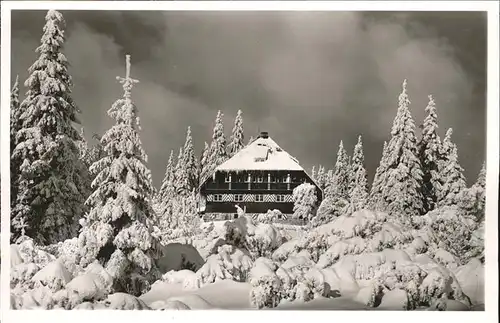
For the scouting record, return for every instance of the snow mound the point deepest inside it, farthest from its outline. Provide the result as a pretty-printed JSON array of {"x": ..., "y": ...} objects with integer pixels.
[
  {"x": 15, "y": 256},
  {"x": 88, "y": 287},
  {"x": 471, "y": 279},
  {"x": 395, "y": 300},
  {"x": 192, "y": 301},
  {"x": 185, "y": 277},
  {"x": 123, "y": 301},
  {"x": 169, "y": 305},
  {"x": 55, "y": 276}
]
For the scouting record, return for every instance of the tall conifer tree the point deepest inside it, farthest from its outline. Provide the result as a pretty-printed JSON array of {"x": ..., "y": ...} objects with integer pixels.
[
  {"x": 237, "y": 136},
  {"x": 190, "y": 164},
  {"x": 48, "y": 196},
  {"x": 430, "y": 157},
  {"x": 118, "y": 228},
  {"x": 358, "y": 187},
  {"x": 401, "y": 184}
]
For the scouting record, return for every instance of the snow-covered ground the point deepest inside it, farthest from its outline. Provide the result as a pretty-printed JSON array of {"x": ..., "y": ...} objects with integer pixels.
[{"x": 357, "y": 262}]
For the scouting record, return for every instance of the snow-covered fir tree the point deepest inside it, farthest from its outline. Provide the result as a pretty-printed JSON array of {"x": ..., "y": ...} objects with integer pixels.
[
  {"x": 48, "y": 196},
  {"x": 358, "y": 187},
  {"x": 401, "y": 185},
  {"x": 204, "y": 163},
  {"x": 87, "y": 158},
  {"x": 218, "y": 152},
  {"x": 167, "y": 189},
  {"x": 304, "y": 198},
  {"x": 190, "y": 164},
  {"x": 321, "y": 178},
  {"x": 453, "y": 180},
  {"x": 339, "y": 186},
  {"x": 181, "y": 176},
  {"x": 15, "y": 113},
  {"x": 118, "y": 229},
  {"x": 430, "y": 157},
  {"x": 237, "y": 136},
  {"x": 375, "y": 200}
]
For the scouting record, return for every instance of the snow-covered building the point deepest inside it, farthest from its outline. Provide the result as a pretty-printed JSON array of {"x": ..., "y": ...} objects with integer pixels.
[{"x": 260, "y": 177}]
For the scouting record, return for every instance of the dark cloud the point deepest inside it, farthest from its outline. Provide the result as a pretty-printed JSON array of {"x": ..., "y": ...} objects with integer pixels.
[{"x": 310, "y": 79}]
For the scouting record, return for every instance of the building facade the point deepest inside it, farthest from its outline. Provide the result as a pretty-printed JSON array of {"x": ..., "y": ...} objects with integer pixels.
[{"x": 258, "y": 178}]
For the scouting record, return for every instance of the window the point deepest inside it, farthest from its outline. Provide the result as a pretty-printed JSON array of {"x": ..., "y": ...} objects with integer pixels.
[
  {"x": 218, "y": 198},
  {"x": 238, "y": 198},
  {"x": 260, "y": 179},
  {"x": 280, "y": 198},
  {"x": 259, "y": 198},
  {"x": 247, "y": 178},
  {"x": 227, "y": 178}
]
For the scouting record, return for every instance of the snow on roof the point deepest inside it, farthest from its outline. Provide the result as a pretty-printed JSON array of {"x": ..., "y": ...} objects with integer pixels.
[{"x": 261, "y": 154}]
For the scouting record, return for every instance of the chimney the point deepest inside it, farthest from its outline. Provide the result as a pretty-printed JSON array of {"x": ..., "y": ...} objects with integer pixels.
[{"x": 264, "y": 134}]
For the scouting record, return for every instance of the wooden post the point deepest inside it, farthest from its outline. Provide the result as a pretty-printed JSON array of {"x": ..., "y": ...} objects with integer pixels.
[
  {"x": 288, "y": 181},
  {"x": 269, "y": 181},
  {"x": 249, "y": 180},
  {"x": 230, "y": 181}
]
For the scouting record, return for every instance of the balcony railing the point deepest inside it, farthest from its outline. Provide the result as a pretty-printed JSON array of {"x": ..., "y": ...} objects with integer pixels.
[{"x": 253, "y": 186}]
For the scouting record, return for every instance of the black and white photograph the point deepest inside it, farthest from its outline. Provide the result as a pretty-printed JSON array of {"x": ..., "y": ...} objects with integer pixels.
[{"x": 329, "y": 160}]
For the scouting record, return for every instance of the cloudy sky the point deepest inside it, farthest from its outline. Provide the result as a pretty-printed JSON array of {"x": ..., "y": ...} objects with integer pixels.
[{"x": 309, "y": 79}]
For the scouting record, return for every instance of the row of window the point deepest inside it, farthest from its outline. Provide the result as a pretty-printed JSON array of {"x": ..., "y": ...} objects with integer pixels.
[
  {"x": 258, "y": 179},
  {"x": 239, "y": 198}
]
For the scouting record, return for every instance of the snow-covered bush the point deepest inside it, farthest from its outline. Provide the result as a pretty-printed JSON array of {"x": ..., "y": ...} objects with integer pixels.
[
  {"x": 330, "y": 208},
  {"x": 258, "y": 238},
  {"x": 229, "y": 263},
  {"x": 265, "y": 283},
  {"x": 270, "y": 217},
  {"x": 448, "y": 229},
  {"x": 32, "y": 253}
]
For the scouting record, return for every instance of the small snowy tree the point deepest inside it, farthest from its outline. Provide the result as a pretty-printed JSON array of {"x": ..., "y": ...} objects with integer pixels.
[
  {"x": 304, "y": 198},
  {"x": 190, "y": 165},
  {"x": 473, "y": 201},
  {"x": 430, "y": 157},
  {"x": 237, "y": 136},
  {"x": 313, "y": 173},
  {"x": 49, "y": 195},
  {"x": 401, "y": 185},
  {"x": 167, "y": 189},
  {"x": 376, "y": 201},
  {"x": 250, "y": 140},
  {"x": 358, "y": 187},
  {"x": 117, "y": 230},
  {"x": 453, "y": 181}
]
